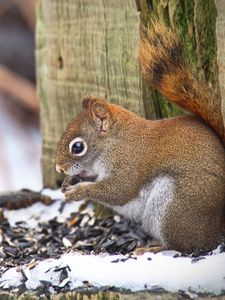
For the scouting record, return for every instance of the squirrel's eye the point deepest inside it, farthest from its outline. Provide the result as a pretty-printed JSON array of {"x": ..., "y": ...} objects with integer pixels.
[{"x": 78, "y": 146}]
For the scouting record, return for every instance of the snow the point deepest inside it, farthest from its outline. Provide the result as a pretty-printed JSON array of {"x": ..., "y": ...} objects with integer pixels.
[
  {"x": 135, "y": 273},
  {"x": 39, "y": 212},
  {"x": 163, "y": 270}
]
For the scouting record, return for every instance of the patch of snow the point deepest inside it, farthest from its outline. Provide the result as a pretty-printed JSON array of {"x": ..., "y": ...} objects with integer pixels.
[
  {"x": 40, "y": 212},
  {"x": 54, "y": 194},
  {"x": 11, "y": 278},
  {"x": 146, "y": 272}
]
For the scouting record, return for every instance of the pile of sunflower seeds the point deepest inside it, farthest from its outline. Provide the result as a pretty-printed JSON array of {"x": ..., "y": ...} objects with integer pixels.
[{"x": 82, "y": 232}]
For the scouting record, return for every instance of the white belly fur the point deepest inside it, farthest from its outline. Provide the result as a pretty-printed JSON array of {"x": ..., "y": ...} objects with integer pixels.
[{"x": 149, "y": 207}]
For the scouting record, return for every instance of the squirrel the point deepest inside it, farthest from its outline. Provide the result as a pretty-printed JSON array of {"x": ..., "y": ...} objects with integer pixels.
[{"x": 168, "y": 175}]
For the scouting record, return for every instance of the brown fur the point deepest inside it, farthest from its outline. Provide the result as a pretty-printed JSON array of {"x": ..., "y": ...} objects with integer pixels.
[{"x": 135, "y": 151}]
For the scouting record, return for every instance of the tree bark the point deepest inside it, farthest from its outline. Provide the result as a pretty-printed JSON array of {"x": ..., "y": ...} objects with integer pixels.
[{"x": 195, "y": 21}]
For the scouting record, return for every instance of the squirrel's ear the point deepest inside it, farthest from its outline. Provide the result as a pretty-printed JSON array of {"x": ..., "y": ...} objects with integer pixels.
[
  {"x": 101, "y": 116},
  {"x": 99, "y": 112},
  {"x": 86, "y": 102}
]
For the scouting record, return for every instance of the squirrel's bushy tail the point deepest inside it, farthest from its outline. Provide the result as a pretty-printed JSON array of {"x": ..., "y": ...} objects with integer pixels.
[{"x": 165, "y": 68}]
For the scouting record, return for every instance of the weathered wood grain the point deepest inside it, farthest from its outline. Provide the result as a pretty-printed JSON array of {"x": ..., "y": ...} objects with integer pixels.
[
  {"x": 84, "y": 48},
  {"x": 107, "y": 295}
]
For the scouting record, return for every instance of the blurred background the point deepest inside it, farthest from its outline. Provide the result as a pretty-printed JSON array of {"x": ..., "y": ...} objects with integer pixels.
[{"x": 19, "y": 108}]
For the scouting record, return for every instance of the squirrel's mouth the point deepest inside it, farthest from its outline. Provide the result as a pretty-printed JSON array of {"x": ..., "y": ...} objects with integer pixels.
[
  {"x": 86, "y": 176},
  {"x": 75, "y": 179},
  {"x": 92, "y": 178}
]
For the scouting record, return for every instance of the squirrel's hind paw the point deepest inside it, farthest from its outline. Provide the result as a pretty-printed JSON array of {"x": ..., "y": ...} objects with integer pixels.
[{"x": 153, "y": 247}]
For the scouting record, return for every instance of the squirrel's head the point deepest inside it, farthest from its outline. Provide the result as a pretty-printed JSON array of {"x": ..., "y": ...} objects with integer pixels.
[{"x": 85, "y": 140}]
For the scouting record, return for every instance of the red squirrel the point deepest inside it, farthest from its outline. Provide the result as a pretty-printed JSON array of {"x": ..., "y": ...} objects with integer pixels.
[{"x": 168, "y": 175}]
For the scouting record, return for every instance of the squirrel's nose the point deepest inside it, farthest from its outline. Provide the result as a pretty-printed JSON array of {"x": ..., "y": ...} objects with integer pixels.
[{"x": 58, "y": 169}]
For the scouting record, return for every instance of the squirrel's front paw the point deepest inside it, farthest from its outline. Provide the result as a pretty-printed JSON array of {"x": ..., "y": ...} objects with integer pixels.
[
  {"x": 69, "y": 182},
  {"x": 77, "y": 192},
  {"x": 71, "y": 195}
]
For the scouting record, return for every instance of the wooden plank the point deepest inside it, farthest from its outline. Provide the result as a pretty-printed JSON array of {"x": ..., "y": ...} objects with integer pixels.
[
  {"x": 84, "y": 48},
  {"x": 106, "y": 295}
]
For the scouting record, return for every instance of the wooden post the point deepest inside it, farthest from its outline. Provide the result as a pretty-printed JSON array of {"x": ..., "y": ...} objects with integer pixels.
[{"x": 83, "y": 48}]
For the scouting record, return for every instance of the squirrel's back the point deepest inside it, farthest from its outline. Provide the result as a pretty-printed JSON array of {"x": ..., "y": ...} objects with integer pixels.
[{"x": 165, "y": 68}]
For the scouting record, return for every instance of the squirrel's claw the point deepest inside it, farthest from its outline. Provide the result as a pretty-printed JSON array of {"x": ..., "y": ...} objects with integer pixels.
[
  {"x": 76, "y": 192},
  {"x": 69, "y": 196},
  {"x": 67, "y": 188}
]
